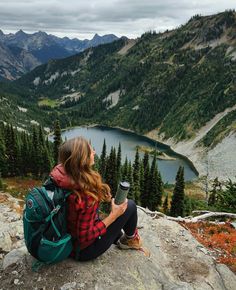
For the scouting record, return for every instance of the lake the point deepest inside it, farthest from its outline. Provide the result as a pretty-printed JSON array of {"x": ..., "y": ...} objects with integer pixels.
[{"x": 129, "y": 141}]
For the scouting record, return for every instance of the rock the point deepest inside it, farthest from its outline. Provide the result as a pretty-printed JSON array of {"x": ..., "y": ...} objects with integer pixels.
[
  {"x": 177, "y": 262},
  {"x": 16, "y": 281},
  {"x": 5, "y": 241},
  {"x": 68, "y": 286},
  {"x": 229, "y": 282},
  {"x": 14, "y": 257}
]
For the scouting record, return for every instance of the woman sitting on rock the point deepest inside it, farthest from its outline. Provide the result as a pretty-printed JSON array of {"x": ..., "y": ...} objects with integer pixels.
[{"x": 90, "y": 234}]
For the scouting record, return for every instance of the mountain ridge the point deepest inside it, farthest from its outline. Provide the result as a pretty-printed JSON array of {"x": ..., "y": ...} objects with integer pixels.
[
  {"x": 41, "y": 47},
  {"x": 171, "y": 83}
]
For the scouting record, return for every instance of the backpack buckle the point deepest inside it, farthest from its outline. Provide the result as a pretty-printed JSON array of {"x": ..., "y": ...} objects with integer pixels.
[{"x": 56, "y": 209}]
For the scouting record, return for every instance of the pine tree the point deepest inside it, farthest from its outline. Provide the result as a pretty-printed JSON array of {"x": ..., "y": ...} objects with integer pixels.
[
  {"x": 57, "y": 140},
  {"x": 130, "y": 180},
  {"x": 1, "y": 182},
  {"x": 165, "y": 205},
  {"x": 47, "y": 164},
  {"x": 155, "y": 189},
  {"x": 145, "y": 160},
  {"x": 160, "y": 189},
  {"x": 177, "y": 203},
  {"x": 141, "y": 181},
  {"x": 118, "y": 163},
  {"x": 187, "y": 206},
  {"x": 11, "y": 151},
  {"x": 125, "y": 170},
  {"x": 136, "y": 177},
  {"x": 144, "y": 196},
  {"x": 102, "y": 160},
  {"x": 3, "y": 159},
  {"x": 35, "y": 153},
  {"x": 214, "y": 193},
  {"x": 111, "y": 171}
]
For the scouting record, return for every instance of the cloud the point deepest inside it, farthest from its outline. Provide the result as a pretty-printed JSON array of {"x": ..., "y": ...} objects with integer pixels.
[{"x": 77, "y": 18}]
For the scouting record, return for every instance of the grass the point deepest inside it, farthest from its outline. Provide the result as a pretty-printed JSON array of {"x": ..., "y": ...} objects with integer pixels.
[
  {"x": 19, "y": 186},
  {"x": 48, "y": 102}
]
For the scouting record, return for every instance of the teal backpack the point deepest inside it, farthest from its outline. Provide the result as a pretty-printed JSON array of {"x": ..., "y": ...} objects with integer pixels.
[{"x": 45, "y": 229}]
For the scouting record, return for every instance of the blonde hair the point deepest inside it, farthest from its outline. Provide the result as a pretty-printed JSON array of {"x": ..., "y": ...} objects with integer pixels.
[{"x": 75, "y": 155}]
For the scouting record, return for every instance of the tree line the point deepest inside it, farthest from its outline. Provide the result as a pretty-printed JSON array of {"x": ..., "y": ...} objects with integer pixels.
[
  {"x": 27, "y": 154},
  {"x": 24, "y": 154},
  {"x": 32, "y": 154}
]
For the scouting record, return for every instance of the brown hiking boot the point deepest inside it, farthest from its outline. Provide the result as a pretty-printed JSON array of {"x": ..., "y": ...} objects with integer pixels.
[{"x": 134, "y": 243}]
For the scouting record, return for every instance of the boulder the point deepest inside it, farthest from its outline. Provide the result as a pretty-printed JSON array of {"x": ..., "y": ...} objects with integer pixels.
[
  {"x": 177, "y": 262},
  {"x": 14, "y": 256}
]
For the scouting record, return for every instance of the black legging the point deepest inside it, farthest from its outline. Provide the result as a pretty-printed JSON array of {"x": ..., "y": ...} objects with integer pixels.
[{"x": 127, "y": 221}]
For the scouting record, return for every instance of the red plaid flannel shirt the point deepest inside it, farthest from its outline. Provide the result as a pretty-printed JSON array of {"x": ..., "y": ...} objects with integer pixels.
[{"x": 82, "y": 220}]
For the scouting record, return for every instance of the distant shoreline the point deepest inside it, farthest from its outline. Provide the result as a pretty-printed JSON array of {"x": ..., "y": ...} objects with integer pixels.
[{"x": 144, "y": 136}]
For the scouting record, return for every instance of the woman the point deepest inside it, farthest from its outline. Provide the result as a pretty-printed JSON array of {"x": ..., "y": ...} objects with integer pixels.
[{"x": 91, "y": 235}]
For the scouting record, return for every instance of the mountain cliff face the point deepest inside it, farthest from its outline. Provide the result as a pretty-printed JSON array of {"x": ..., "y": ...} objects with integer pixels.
[{"x": 40, "y": 48}]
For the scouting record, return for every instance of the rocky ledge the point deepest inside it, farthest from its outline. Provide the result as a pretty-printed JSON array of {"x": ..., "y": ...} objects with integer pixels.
[{"x": 177, "y": 261}]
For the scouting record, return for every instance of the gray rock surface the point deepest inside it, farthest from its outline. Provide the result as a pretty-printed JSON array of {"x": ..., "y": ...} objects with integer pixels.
[
  {"x": 177, "y": 262},
  {"x": 14, "y": 256}
]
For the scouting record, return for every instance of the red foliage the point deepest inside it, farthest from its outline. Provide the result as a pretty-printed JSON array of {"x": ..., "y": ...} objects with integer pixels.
[{"x": 220, "y": 239}]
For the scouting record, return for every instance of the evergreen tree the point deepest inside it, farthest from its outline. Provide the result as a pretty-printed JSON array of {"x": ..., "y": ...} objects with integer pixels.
[
  {"x": 41, "y": 137},
  {"x": 35, "y": 153},
  {"x": 166, "y": 205},
  {"x": 1, "y": 182},
  {"x": 144, "y": 196},
  {"x": 229, "y": 197},
  {"x": 111, "y": 171},
  {"x": 177, "y": 203},
  {"x": 57, "y": 140},
  {"x": 47, "y": 164},
  {"x": 155, "y": 189},
  {"x": 160, "y": 188},
  {"x": 11, "y": 151},
  {"x": 145, "y": 160},
  {"x": 118, "y": 163},
  {"x": 187, "y": 206},
  {"x": 136, "y": 177},
  {"x": 141, "y": 181},
  {"x": 102, "y": 160},
  {"x": 130, "y": 180},
  {"x": 214, "y": 193},
  {"x": 3, "y": 157},
  {"x": 125, "y": 170}
]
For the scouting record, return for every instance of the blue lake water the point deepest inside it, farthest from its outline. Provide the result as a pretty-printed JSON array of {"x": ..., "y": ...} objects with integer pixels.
[{"x": 129, "y": 141}]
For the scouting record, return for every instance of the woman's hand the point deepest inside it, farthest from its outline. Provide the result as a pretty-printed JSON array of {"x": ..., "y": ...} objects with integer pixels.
[{"x": 116, "y": 211}]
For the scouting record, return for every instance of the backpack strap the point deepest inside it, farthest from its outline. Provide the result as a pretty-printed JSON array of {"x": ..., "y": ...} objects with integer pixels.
[
  {"x": 50, "y": 218},
  {"x": 40, "y": 202}
]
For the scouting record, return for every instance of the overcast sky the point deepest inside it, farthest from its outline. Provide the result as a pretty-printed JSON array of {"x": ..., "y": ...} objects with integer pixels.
[{"x": 82, "y": 19}]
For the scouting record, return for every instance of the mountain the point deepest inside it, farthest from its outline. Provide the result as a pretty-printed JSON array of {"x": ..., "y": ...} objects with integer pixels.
[
  {"x": 177, "y": 87},
  {"x": 15, "y": 62},
  {"x": 40, "y": 48}
]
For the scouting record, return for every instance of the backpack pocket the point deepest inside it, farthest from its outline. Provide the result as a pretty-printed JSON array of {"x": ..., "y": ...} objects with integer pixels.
[{"x": 52, "y": 252}]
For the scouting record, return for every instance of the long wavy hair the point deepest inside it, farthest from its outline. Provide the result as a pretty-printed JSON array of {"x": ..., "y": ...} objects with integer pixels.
[{"x": 75, "y": 156}]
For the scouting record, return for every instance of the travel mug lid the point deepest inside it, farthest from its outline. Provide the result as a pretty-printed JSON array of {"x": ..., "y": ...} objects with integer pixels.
[{"x": 124, "y": 185}]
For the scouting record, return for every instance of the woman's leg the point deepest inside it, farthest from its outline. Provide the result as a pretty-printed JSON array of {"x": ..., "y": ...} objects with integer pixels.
[{"x": 127, "y": 222}]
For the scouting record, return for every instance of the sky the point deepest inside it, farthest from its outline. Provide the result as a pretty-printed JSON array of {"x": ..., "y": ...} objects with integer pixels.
[{"x": 82, "y": 19}]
